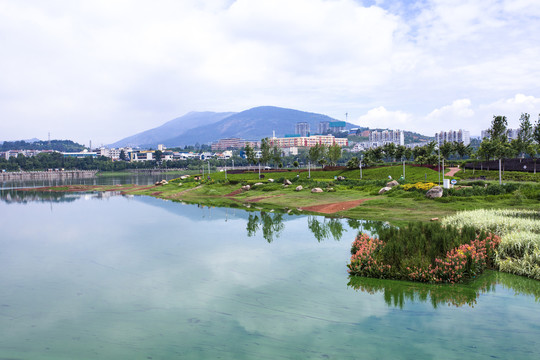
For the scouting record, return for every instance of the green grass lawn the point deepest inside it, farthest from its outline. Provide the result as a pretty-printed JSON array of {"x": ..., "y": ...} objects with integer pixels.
[{"x": 397, "y": 206}]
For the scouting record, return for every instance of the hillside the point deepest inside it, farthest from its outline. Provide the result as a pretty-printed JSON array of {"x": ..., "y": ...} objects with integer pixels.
[
  {"x": 175, "y": 127},
  {"x": 57, "y": 145},
  {"x": 252, "y": 124}
]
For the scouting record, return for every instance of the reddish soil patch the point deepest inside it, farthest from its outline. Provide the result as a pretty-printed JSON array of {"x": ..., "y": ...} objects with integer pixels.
[
  {"x": 235, "y": 192},
  {"x": 262, "y": 198},
  {"x": 334, "y": 207}
]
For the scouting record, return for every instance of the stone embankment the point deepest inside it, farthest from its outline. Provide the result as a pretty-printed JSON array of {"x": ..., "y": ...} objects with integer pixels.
[{"x": 47, "y": 175}]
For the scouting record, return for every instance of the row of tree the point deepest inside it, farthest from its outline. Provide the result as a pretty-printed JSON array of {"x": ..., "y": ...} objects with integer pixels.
[
  {"x": 319, "y": 154},
  {"x": 497, "y": 145}
]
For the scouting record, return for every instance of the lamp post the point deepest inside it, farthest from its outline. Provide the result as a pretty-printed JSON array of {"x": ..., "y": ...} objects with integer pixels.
[
  {"x": 439, "y": 165},
  {"x": 232, "y": 163},
  {"x": 360, "y": 166}
]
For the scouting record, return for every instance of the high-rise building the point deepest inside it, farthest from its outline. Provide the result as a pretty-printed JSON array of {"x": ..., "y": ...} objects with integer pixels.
[
  {"x": 302, "y": 129},
  {"x": 324, "y": 126},
  {"x": 387, "y": 136},
  {"x": 460, "y": 135}
]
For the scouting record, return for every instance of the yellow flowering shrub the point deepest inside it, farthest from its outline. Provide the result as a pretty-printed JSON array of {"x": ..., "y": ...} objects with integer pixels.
[{"x": 418, "y": 186}]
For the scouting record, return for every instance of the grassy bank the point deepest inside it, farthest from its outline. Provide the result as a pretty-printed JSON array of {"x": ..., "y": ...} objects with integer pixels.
[{"x": 398, "y": 206}]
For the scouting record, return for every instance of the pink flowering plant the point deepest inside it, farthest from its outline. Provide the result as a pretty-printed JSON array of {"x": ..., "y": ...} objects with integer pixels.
[{"x": 432, "y": 259}]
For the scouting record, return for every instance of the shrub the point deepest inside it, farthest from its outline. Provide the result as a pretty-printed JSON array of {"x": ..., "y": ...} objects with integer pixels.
[
  {"x": 419, "y": 186},
  {"x": 421, "y": 258}
]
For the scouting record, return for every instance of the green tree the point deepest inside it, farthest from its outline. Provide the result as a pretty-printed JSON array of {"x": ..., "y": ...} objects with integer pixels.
[
  {"x": 266, "y": 153},
  {"x": 276, "y": 155},
  {"x": 334, "y": 154},
  {"x": 353, "y": 163},
  {"x": 123, "y": 155},
  {"x": 250, "y": 154},
  {"x": 377, "y": 154},
  {"x": 446, "y": 149},
  {"x": 158, "y": 155},
  {"x": 316, "y": 152},
  {"x": 462, "y": 150},
  {"x": 525, "y": 135},
  {"x": 408, "y": 153},
  {"x": 389, "y": 150},
  {"x": 400, "y": 152}
]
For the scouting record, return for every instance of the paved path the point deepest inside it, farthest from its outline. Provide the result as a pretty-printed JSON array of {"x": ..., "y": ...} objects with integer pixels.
[{"x": 452, "y": 171}]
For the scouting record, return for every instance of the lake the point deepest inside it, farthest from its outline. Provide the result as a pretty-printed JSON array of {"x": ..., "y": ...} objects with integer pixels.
[{"x": 106, "y": 276}]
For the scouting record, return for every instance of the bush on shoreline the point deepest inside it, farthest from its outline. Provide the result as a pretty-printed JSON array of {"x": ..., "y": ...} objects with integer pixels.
[{"x": 424, "y": 252}]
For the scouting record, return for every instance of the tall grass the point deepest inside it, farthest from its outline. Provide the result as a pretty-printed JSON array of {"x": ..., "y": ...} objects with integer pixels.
[
  {"x": 519, "y": 253},
  {"x": 519, "y": 250},
  {"x": 500, "y": 222}
]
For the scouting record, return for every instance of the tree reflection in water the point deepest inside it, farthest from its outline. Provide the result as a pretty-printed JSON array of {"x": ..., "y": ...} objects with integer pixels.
[
  {"x": 397, "y": 293},
  {"x": 322, "y": 230},
  {"x": 272, "y": 225}
]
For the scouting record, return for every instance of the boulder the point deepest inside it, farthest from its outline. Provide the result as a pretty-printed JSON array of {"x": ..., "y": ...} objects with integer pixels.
[
  {"x": 341, "y": 178},
  {"x": 316, "y": 190},
  {"x": 287, "y": 182},
  {"x": 162, "y": 182},
  {"x": 434, "y": 192},
  {"x": 392, "y": 183},
  {"x": 271, "y": 180},
  {"x": 184, "y": 177},
  {"x": 299, "y": 188},
  {"x": 384, "y": 189},
  {"x": 257, "y": 184},
  {"x": 246, "y": 188}
]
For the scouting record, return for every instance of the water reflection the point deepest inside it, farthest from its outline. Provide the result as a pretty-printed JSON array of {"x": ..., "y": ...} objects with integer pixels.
[
  {"x": 24, "y": 197},
  {"x": 101, "y": 179},
  {"x": 398, "y": 293},
  {"x": 271, "y": 224}
]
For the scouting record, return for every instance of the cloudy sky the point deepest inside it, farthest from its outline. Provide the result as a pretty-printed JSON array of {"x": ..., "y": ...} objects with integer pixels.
[{"x": 101, "y": 70}]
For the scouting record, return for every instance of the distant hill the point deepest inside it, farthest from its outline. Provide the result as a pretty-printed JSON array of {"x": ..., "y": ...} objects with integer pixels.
[
  {"x": 252, "y": 124},
  {"x": 58, "y": 145},
  {"x": 175, "y": 127}
]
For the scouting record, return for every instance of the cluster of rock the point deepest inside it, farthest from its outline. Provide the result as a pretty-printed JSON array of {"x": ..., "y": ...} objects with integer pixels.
[
  {"x": 286, "y": 183},
  {"x": 388, "y": 187},
  {"x": 434, "y": 192},
  {"x": 162, "y": 182}
]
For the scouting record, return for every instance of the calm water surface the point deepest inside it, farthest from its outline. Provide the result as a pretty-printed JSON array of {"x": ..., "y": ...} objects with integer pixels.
[{"x": 114, "y": 277}]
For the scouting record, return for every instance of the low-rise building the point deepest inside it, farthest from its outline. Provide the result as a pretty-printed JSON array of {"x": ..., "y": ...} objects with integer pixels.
[{"x": 308, "y": 141}]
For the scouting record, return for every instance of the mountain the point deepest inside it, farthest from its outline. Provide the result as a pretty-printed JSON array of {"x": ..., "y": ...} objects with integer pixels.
[
  {"x": 174, "y": 127},
  {"x": 252, "y": 124}
]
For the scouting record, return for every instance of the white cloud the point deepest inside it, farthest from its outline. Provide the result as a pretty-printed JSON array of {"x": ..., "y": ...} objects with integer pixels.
[
  {"x": 103, "y": 70},
  {"x": 381, "y": 118},
  {"x": 512, "y": 108}
]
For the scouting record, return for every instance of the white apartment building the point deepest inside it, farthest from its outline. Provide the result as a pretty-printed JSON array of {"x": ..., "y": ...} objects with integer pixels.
[
  {"x": 379, "y": 138},
  {"x": 460, "y": 135}
]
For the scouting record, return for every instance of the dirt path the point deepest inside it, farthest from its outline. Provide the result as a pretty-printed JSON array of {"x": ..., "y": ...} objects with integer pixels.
[
  {"x": 334, "y": 207},
  {"x": 178, "y": 194},
  {"x": 452, "y": 171},
  {"x": 235, "y": 192}
]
